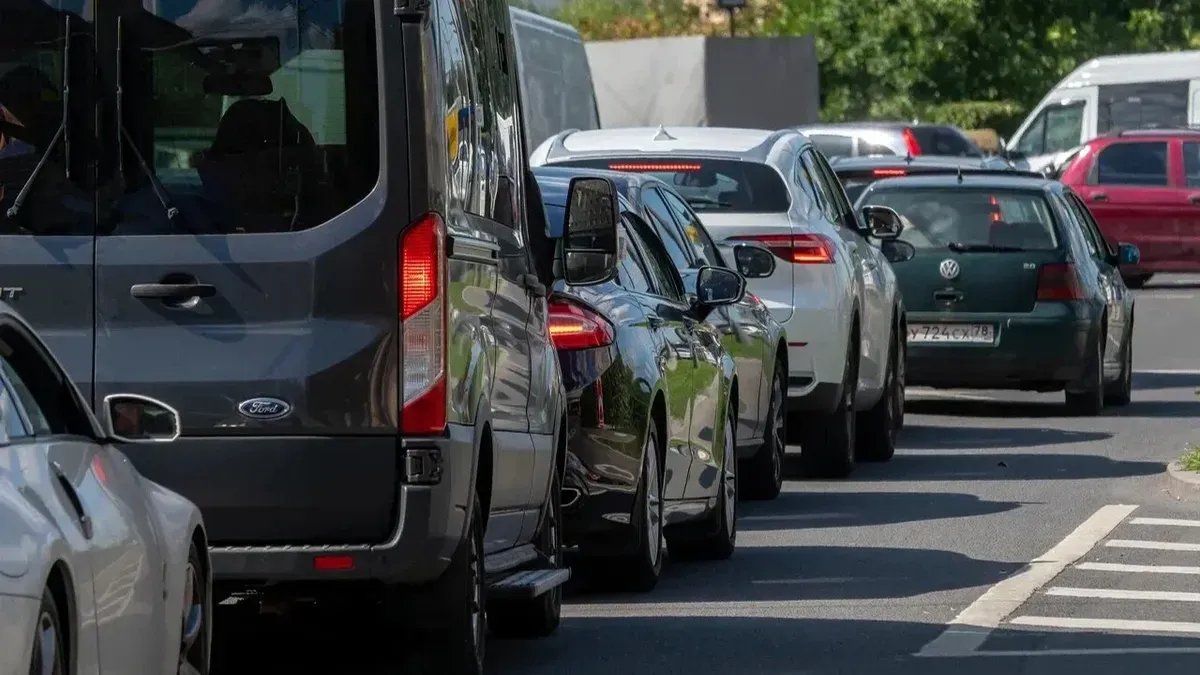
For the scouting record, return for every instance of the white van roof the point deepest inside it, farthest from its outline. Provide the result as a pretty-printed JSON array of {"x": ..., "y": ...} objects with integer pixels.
[
  {"x": 1130, "y": 68},
  {"x": 544, "y": 22}
]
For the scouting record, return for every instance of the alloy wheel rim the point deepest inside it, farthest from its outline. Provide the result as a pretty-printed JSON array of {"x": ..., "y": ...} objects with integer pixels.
[
  {"x": 476, "y": 598},
  {"x": 777, "y": 429},
  {"x": 730, "y": 482},
  {"x": 193, "y": 622},
  {"x": 653, "y": 506},
  {"x": 46, "y": 646}
]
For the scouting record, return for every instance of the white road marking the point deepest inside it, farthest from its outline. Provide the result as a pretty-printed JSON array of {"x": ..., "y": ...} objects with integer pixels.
[
  {"x": 1152, "y": 545},
  {"x": 1168, "y": 371},
  {"x": 1132, "y": 651},
  {"x": 1121, "y": 594},
  {"x": 1150, "y": 569},
  {"x": 916, "y": 393},
  {"x": 1108, "y": 624},
  {"x": 970, "y": 629},
  {"x": 754, "y": 609},
  {"x": 1176, "y": 522}
]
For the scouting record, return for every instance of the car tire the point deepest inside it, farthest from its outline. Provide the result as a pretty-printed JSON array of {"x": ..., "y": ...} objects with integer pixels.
[
  {"x": 540, "y": 616},
  {"x": 762, "y": 475},
  {"x": 717, "y": 538},
  {"x": 195, "y": 635},
  {"x": 1136, "y": 281},
  {"x": 1122, "y": 392},
  {"x": 640, "y": 571},
  {"x": 443, "y": 625},
  {"x": 49, "y": 653},
  {"x": 827, "y": 442},
  {"x": 878, "y": 427},
  {"x": 1088, "y": 401}
]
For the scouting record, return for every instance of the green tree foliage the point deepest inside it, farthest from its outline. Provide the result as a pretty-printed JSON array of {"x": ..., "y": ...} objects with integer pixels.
[{"x": 970, "y": 62}]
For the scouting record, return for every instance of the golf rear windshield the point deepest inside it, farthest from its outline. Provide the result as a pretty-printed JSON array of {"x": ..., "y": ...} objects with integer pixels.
[
  {"x": 709, "y": 184},
  {"x": 935, "y": 218}
]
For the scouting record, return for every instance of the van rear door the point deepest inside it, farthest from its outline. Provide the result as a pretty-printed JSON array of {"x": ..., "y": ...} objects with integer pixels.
[
  {"x": 47, "y": 215},
  {"x": 246, "y": 260}
]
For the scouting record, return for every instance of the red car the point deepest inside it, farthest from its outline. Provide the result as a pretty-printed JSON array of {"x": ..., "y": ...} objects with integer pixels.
[{"x": 1143, "y": 187}]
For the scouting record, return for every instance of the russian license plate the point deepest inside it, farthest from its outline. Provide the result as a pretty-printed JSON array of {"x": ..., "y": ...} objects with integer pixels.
[{"x": 962, "y": 333}]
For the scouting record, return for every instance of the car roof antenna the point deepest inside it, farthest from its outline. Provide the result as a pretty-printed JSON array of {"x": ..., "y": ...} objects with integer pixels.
[
  {"x": 908, "y": 157},
  {"x": 662, "y": 135}
]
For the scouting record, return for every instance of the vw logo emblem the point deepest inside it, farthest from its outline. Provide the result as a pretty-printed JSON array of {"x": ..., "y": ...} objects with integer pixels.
[
  {"x": 949, "y": 269},
  {"x": 265, "y": 408}
]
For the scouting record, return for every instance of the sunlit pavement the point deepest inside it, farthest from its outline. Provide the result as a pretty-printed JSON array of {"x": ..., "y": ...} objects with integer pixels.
[{"x": 998, "y": 539}]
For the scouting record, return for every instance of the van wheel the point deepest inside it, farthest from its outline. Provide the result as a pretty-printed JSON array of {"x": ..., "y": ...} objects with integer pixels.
[
  {"x": 1088, "y": 400},
  {"x": 762, "y": 474},
  {"x": 640, "y": 572},
  {"x": 718, "y": 537},
  {"x": 536, "y": 617},
  {"x": 49, "y": 641},
  {"x": 828, "y": 441},
  {"x": 877, "y": 427},
  {"x": 444, "y": 623}
]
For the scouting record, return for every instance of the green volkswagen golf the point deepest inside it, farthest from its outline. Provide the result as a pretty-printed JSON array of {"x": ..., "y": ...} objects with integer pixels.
[{"x": 1010, "y": 285}]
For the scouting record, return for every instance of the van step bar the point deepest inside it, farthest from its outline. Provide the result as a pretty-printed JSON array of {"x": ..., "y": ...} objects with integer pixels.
[{"x": 528, "y": 583}]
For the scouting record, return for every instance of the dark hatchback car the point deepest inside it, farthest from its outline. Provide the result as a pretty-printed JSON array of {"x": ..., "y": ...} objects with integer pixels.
[
  {"x": 1010, "y": 285},
  {"x": 651, "y": 404},
  {"x": 856, "y": 173}
]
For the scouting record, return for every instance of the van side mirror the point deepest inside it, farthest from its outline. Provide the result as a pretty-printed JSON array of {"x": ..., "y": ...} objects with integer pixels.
[
  {"x": 882, "y": 222},
  {"x": 131, "y": 418},
  {"x": 589, "y": 246},
  {"x": 1128, "y": 254},
  {"x": 753, "y": 261}
]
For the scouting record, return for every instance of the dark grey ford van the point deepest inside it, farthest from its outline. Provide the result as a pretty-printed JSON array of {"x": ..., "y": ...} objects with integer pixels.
[{"x": 310, "y": 228}]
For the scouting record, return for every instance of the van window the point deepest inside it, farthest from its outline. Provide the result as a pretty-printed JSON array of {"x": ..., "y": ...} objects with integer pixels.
[
  {"x": 833, "y": 146},
  {"x": 1056, "y": 128},
  {"x": 1142, "y": 105},
  {"x": 556, "y": 82},
  {"x": 1191, "y": 163},
  {"x": 251, "y": 116},
  {"x": 1142, "y": 163}
]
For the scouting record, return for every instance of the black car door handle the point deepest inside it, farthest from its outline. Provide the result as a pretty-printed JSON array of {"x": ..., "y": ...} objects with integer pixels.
[
  {"x": 1195, "y": 199},
  {"x": 1100, "y": 197},
  {"x": 85, "y": 523},
  {"x": 654, "y": 322},
  {"x": 172, "y": 291}
]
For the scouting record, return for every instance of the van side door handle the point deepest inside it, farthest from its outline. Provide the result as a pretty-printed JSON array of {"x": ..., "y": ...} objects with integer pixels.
[{"x": 172, "y": 291}]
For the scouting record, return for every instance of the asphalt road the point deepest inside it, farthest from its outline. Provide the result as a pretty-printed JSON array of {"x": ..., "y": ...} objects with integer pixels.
[{"x": 1004, "y": 537}]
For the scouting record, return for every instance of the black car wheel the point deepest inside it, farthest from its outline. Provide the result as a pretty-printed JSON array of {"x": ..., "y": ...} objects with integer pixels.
[
  {"x": 717, "y": 537},
  {"x": 194, "y": 635},
  {"x": 762, "y": 474},
  {"x": 641, "y": 570},
  {"x": 1122, "y": 391},
  {"x": 1088, "y": 398},
  {"x": 827, "y": 443},
  {"x": 49, "y": 646},
  {"x": 1136, "y": 281},
  {"x": 540, "y": 616},
  {"x": 878, "y": 427}
]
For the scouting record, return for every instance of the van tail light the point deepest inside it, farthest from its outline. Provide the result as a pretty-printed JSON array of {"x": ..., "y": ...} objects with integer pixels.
[
  {"x": 1059, "y": 281},
  {"x": 574, "y": 327},
  {"x": 801, "y": 249},
  {"x": 911, "y": 144},
  {"x": 422, "y": 281}
]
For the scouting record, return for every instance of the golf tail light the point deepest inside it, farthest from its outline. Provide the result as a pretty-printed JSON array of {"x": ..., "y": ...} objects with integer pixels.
[
  {"x": 910, "y": 143},
  {"x": 889, "y": 173},
  {"x": 800, "y": 249},
  {"x": 573, "y": 327},
  {"x": 1059, "y": 281},
  {"x": 423, "y": 326}
]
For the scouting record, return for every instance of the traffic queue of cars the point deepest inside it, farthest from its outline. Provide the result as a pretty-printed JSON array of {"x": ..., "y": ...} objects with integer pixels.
[{"x": 403, "y": 371}]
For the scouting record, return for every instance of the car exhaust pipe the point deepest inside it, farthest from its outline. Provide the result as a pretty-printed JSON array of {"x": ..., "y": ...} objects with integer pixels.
[{"x": 569, "y": 496}]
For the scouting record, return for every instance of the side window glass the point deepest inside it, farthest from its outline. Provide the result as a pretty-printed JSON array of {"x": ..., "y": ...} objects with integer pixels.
[
  {"x": 1034, "y": 140},
  {"x": 1064, "y": 127},
  {"x": 269, "y": 127},
  {"x": 633, "y": 275},
  {"x": 664, "y": 223},
  {"x": 1090, "y": 225},
  {"x": 702, "y": 244},
  {"x": 806, "y": 181},
  {"x": 458, "y": 104},
  {"x": 834, "y": 204},
  {"x": 665, "y": 275},
  {"x": 37, "y": 418},
  {"x": 1071, "y": 215},
  {"x": 1143, "y": 164},
  {"x": 1191, "y": 161},
  {"x": 837, "y": 194},
  {"x": 813, "y": 174},
  {"x": 14, "y": 427}
]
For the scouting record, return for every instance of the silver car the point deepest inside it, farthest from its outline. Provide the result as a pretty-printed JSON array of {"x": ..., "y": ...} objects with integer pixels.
[{"x": 101, "y": 570}]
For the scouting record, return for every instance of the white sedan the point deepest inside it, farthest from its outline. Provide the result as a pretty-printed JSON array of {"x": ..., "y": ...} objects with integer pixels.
[{"x": 101, "y": 570}]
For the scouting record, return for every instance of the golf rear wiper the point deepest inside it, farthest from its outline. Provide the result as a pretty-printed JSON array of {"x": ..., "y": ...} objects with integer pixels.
[
  {"x": 63, "y": 133},
  {"x": 960, "y": 247}
]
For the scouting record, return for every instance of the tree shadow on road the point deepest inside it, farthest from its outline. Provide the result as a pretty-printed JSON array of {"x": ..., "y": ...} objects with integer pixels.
[
  {"x": 1003, "y": 466},
  {"x": 816, "y": 510},
  {"x": 927, "y": 436},
  {"x": 1145, "y": 381}
]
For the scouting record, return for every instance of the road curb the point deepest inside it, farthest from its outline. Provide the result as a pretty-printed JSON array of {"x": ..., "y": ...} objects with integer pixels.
[{"x": 1186, "y": 480}]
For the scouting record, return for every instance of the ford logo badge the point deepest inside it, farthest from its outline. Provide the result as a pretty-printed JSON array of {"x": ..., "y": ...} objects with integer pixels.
[{"x": 265, "y": 408}]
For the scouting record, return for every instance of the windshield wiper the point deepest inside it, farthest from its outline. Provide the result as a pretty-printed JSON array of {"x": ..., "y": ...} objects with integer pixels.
[
  {"x": 63, "y": 133},
  {"x": 960, "y": 247}
]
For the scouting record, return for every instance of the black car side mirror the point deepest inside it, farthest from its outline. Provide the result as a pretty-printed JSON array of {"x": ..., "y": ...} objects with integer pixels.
[
  {"x": 754, "y": 262},
  {"x": 716, "y": 286},
  {"x": 1128, "y": 254},
  {"x": 589, "y": 247},
  {"x": 882, "y": 222}
]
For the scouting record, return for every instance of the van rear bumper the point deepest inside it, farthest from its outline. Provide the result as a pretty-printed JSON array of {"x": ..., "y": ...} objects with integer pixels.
[{"x": 427, "y": 522}]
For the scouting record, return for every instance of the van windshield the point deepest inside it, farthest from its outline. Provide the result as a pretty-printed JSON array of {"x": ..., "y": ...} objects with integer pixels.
[
  {"x": 708, "y": 184},
  {"x": 971, "y": 220}
]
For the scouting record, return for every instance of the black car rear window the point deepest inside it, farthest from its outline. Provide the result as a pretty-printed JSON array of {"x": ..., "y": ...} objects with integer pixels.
[
  {"x": 945, "y": 141},
  {"x": 709, "y": 184},
  {"x": 980, "y": 219},
  {"x": 832, "y": 145}
]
